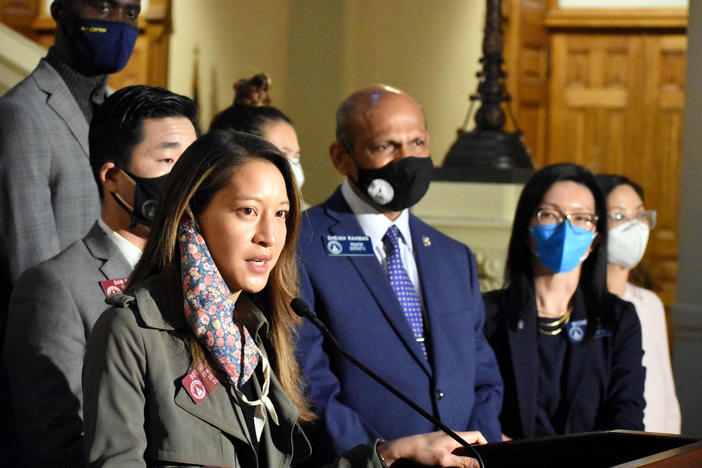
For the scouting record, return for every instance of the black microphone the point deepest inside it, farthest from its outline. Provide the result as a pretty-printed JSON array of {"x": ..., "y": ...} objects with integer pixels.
[{"x": 301, "y": 308}]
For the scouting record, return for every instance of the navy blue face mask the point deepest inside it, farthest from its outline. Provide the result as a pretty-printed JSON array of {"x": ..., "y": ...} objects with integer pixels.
[
  {"x": 104, "y": 46},
  {"x": 563, "y": 247}
]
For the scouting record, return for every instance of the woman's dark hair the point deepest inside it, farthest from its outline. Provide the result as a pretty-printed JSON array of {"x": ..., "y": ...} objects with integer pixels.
[
  {"x": 251, "y": 110},
  {"x": 205, "y": 168},
  {"x": 519, "y": 273},
  {"x": 609, "y": 182}
]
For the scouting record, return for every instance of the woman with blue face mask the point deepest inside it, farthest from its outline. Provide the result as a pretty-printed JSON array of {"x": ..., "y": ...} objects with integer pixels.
[
  {"x": 629, "y": 225},
  {"x": 568, "y": 350}
]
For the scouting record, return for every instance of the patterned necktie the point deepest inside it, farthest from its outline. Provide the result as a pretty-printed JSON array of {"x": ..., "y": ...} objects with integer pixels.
[{"x": 402, "y": 285}]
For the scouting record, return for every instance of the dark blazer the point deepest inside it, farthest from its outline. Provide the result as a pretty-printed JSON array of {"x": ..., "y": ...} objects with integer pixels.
[
  {"x": 352, "y": 295},
  {"x": 138, "y": 412},
  {"x": 605, "y": 378},
  {"x": 52, "y": 311}
]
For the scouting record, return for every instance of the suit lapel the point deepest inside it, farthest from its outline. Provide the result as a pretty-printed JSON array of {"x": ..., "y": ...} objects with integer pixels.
[
  {"x": 62, "y": 102},
  {"x": 372, "y": 274},
  {"x": 428, "y": 264},
  {"x": 523, "y": 350},
  {"x": 578, "y": 356},
  {"x": 103, "y": 248}
]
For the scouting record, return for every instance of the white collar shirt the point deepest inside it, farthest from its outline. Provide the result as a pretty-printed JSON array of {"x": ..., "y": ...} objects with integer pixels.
[
  {"x": 376, "y": 224},
  {"x": 131, "y": 252}
]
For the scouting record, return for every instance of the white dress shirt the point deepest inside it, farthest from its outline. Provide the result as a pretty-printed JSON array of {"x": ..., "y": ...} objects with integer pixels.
[
  {"x": 376, "y": 224},
  {"x": 131, "y": 252}
]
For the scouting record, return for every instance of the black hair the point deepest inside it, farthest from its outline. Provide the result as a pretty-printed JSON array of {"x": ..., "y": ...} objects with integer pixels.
[
  {"x": 609, "y": 182},
  {"x": 116, "y": 128},
  {"x": 519, "y": 273},
  {"x": 248, "y": 119}
]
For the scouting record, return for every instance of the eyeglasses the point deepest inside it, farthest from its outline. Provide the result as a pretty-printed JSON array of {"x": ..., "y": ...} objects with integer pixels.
[
  {"x": 647, "y": 217},
  {"x": 547, "y": 216}
]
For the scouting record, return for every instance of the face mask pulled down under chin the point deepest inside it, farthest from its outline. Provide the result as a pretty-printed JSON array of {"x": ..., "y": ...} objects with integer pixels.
[
  {"x": 147, "y": 192},
  {"x": 626, "y": 244},
  {"x": 397, "y": 185},
  {"x": 561, "y": 248},
  {"x": 103, "y": 46}
]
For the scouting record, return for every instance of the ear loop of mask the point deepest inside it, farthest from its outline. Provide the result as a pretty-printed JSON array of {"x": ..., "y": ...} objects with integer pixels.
[{"x": 122, "y": 202}]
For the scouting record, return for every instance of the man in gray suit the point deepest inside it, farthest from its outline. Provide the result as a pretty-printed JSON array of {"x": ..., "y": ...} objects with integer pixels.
[
  {"x": 49, "y": 198},
  {"x": 135, "y": 138}
]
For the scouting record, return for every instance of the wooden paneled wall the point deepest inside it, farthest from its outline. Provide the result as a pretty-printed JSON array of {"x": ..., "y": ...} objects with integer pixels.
[
  {"x": 604, "y": 88},
  {"x": 526, "y": 62},
  {"x": 616, "y": 106}
]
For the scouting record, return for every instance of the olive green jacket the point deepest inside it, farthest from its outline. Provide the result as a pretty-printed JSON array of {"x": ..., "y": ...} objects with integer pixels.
[{"x": 138, "y": 413}]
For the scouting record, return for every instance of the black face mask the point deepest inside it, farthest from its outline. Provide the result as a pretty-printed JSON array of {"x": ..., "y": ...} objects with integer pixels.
[
  {"x": 397, "y": 185},
  {"x": 147, "y": 192}
]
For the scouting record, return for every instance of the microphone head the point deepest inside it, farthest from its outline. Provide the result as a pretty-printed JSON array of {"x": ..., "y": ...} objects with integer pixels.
[{"x": 300, "y": 307}]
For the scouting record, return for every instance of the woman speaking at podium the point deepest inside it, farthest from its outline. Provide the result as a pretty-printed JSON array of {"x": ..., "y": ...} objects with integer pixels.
[
  {"x": 568, "y": 350},
  {"x": 194, "y": 365}
]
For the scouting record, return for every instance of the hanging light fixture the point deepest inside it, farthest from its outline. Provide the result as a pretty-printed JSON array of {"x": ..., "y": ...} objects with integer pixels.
[{"x": 488, "y": 153}]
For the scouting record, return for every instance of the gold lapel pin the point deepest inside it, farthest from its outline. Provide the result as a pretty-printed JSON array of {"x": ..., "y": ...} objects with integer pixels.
[{"x": 426, "y": 241}]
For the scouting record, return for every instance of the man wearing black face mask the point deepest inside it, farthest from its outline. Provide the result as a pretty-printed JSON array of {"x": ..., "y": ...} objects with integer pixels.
[
  {"x": 135, "y": 138},
  {"x": 49, "y": 198},
  {"x": 399, "y": 295}
]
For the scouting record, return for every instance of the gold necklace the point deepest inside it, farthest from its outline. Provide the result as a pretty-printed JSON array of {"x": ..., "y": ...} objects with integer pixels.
[{"x": 556, "y": 326}]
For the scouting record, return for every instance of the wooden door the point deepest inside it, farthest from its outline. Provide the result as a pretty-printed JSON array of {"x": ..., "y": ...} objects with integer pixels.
[
  {"x": 616, "y": 106},
  {"x": 526, "y": 64}
]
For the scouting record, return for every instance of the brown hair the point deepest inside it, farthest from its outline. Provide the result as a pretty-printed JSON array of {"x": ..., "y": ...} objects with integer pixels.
[
  {"x": 251, "y": 110},
  {"x": 205, "y": 168},
  {"x": 253, "y": 91}
]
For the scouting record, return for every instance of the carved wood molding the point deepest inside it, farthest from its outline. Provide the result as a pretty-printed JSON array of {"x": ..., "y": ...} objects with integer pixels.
[{"x": 617, "y": 18}]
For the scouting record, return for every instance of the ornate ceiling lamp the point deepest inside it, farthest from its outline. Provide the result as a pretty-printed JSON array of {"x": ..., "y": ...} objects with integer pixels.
[{"x": 488, "y": 153}]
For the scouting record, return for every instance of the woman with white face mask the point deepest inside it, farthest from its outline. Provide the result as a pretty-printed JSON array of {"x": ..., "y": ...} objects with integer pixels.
[
  {"x": 629, "y": 224},
  {"x": 252, "y": 113}
]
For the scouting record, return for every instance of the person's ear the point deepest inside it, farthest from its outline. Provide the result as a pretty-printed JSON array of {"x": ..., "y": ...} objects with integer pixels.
[
  {"x": 340, "y": 158},
  {"x": 58, "y": 7},
  {"x": 108, "y": 177}
]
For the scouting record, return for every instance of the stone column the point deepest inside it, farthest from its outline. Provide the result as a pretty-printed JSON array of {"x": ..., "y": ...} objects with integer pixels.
[{"x": 687, "y": 311}]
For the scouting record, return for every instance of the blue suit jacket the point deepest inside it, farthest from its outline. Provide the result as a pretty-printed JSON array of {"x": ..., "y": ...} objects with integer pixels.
[
  {"x": 352, "y": 295},
  {"x": 604, "y": 378}
]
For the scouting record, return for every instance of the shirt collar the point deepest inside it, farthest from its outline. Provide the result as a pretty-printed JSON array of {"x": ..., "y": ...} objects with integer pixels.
[
  {"x": 373, "y": 222},
  {"x": 131, "y": 252}
]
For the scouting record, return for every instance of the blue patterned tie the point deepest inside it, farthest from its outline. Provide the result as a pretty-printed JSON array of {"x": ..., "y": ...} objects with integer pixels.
[{"x": 402, "y": 285}]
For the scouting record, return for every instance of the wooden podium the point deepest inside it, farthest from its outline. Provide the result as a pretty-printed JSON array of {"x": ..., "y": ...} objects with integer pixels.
[
  {"x": 620, "y": 449},
  {"x": 596, "y": 449}
]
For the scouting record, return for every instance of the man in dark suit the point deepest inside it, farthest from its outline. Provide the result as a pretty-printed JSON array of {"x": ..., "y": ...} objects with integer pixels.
[
  {"x": 135, "y": 138},
  {"x": 399, "y": 295}
]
